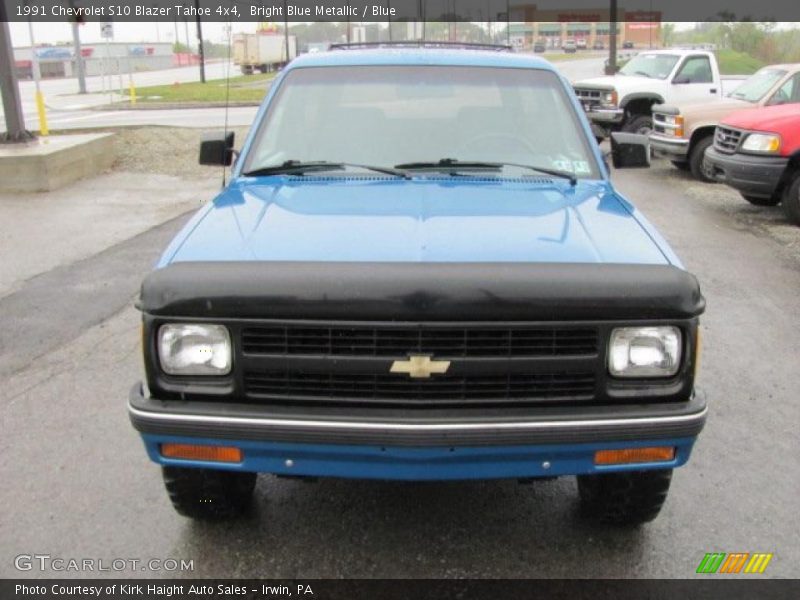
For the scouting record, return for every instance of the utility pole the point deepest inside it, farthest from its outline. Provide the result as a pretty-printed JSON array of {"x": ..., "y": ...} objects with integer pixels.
[
  {"x": 286, "y": 32},
  {"x": 389, "y": 7},
  {"x": 200, "y": 50},
  {"x": 40, "y": 108},
  {"x": 76, "y": 44},
  {"x": 612, "y": 44},
  {"x": 12, "y": 106}
]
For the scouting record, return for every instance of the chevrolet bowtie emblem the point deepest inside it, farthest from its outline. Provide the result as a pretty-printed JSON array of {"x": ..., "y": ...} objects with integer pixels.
[{"x": 420, "y": 367}]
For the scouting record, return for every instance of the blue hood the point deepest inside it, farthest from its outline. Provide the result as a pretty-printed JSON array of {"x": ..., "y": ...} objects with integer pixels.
[{"x": 439, "y": 219}]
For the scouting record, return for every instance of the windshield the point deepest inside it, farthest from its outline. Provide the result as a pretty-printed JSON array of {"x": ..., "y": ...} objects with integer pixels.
[
  {"x": 758, "y": 84},
  {"x": 655, "y": 66},
  {"x": 392, "y": 115}
]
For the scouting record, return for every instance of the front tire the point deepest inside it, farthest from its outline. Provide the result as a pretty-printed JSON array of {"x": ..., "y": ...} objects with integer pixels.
[
  {"x": 208, "y": 494},
  {"x": 756, "y": 201},
  {"x": 642, "y": 124},
  {"x": 697, "y": 160},
  {"x": 628, "y": 498},
  {"x": 791, "y": 199}
]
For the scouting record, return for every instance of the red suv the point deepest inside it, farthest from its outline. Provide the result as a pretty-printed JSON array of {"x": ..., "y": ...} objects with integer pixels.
[{"x": 758, "y": 153}]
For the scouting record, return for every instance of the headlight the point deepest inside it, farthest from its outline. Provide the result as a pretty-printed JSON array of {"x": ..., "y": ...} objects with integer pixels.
[
  {"x": 194, "y": 349},
  {"x": 644, "y": 351},
  {"x": 762, "y": 142},
  {"x": 676, "y": 122},
  {"x": 610, "y": 98}
]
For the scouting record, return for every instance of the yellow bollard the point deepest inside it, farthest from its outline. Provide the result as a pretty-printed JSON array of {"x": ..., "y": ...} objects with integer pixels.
[
  {"x": 132, "y": 93},
  {"x": 43, "y": 129}
]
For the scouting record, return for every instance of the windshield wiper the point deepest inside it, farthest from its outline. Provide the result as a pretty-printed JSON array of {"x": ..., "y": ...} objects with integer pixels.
[
  {"x": 299, "y": 167},
  {"x": 454, "y": 165},
  {"x": 643, "y": 74}
]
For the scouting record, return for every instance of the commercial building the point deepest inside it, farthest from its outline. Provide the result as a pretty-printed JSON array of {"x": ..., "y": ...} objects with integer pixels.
[
  {"x": 108, "y": 58},
  {"x": 554, "y": 27}
]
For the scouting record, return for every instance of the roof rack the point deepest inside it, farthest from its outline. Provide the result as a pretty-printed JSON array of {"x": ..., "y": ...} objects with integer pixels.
[{"x": 422, "y": 44}]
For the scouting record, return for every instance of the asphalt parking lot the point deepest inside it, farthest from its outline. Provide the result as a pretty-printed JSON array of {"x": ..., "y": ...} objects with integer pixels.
[{"x": 76, "y": 482}]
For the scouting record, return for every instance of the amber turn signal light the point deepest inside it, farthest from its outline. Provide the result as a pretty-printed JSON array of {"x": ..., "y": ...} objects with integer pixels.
[
  {"x": 634, "y": 455},
  {"x": 208, "y": 453}
]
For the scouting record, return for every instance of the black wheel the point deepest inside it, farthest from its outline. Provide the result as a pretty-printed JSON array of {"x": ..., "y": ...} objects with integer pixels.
[
  {"x": 628, "y": 498},
  {"x": 791, "y": 199},
  {"x": 639, "y": 124},
  {"x": 697, "y": 161},
  {"x": 208, "y": 493},
  {"x": 680, "y": 164},
  {"x": 756, "y": 201}
]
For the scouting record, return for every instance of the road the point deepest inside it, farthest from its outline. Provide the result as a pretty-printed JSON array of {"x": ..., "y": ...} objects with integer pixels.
[
  {"x": 77, "y": 482},
  {"x": 69, "y": 110},
  {"x": 75, "y": 112}
]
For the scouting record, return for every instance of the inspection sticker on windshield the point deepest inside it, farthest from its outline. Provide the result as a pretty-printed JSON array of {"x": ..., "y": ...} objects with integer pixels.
[{"x": 578, "y": 167}]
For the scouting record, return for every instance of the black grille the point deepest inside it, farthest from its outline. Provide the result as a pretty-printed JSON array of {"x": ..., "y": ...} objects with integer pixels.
[
  {"x": 400, "y": 341},
  {"x": 726, "y": 139},
  {"x": 438, "y": 391},
  {"x": 588, "y": 98}
]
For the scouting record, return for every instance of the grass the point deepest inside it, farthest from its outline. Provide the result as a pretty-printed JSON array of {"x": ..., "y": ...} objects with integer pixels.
[
  {"x": 737, "y": 63},
  {"x": 244, "y": 88},
  {"x": 561, "y": 56}
]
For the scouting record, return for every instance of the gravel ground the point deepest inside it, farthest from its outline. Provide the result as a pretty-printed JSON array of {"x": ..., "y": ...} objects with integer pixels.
[
  {"x": 756, "y": 220},
  {"x": 164, "y": 150}
]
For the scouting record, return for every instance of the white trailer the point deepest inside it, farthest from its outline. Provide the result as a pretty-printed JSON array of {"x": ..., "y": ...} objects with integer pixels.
[{"x": 262, "y": 52}]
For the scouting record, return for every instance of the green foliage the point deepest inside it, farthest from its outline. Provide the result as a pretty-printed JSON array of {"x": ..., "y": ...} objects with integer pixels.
[
  {"x": 732, "y": 62},
  {"x": 667, "y": 34},
  {"x": 761, "y": 41},
  {"x": 246, "y": 88},
  {"x": 212, "y": 50}
]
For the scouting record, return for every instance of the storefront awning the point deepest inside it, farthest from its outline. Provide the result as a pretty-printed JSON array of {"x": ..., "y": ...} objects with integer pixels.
[
  {"x": 579, "y": 27},
  {"x": 549, "y": 27}
]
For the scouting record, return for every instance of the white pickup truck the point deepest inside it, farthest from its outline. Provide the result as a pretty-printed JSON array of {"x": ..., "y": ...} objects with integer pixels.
[{"x": 624, "y": 101}]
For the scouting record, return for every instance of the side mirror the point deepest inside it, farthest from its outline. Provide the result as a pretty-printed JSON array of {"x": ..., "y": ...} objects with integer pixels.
[
  {"x": 682, "y": 80},
  {"x": 630, "y": 150},
  {"x": 216, "y": 148}
]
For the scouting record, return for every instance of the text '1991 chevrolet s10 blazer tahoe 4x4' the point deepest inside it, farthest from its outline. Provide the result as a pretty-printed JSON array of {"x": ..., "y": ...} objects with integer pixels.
[{"x": 420, "y": 270}]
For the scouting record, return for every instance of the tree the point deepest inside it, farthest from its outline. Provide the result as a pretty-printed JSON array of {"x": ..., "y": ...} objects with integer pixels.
[{"x": 667, "y": 34}]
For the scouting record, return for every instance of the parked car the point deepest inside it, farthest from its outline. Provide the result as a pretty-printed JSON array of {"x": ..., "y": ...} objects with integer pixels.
[
  {"x": 580, "y": 43},
  {"x": 624, "y": 101},
  {"x": 539, "y": 47},
  {"x": 683, "y": 132},
  {"x": 570, "y": 47},
  {"x": 758, "y": 153},
  {"x": 627, "y": 45},
  {"x": 622, "y": 60},
  {"x": 598, "y": 45},
  {"x": 420, "y": 270}
]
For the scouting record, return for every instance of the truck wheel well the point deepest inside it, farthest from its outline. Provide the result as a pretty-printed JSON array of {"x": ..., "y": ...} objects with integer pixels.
[
  {"x": 699, "y": 134},
  {"x": 788, "y": 174},
  {"x": 641, "y": 106}
]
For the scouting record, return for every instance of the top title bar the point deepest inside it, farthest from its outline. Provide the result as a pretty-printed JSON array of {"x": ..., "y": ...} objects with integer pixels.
[{"x": 512, "y": 11}]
